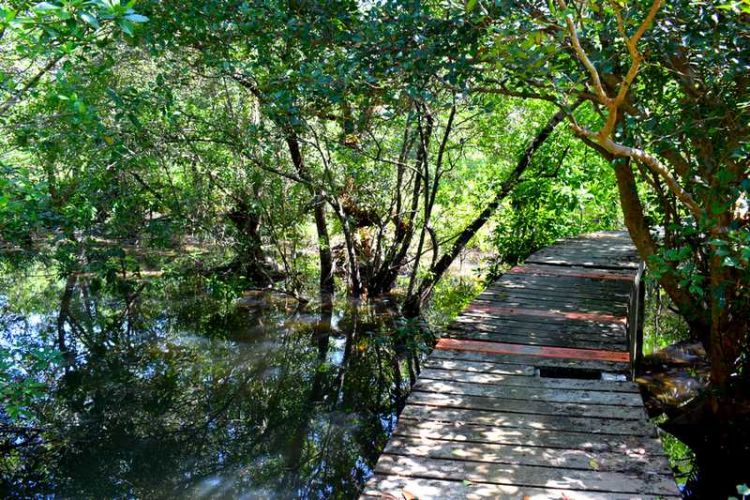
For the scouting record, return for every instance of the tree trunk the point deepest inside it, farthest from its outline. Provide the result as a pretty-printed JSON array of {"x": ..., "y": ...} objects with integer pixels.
[
  {"x": 384, "y": 279},
  {"x": 324, "y": 241},
  {"x": 640, "y": 233},
  {"x": 415, "y": 301},
  {"x": 430, "y": 194},
  {"x": 355, "y": 289},
  {"x": 326, "y": 285}
]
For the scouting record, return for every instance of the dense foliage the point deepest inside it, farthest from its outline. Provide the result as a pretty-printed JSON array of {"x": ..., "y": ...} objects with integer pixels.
[{"x": 373, "y": 146}]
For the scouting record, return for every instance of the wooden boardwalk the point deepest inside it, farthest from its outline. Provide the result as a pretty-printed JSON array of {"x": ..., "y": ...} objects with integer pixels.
[{"x": 526, "y": 394}]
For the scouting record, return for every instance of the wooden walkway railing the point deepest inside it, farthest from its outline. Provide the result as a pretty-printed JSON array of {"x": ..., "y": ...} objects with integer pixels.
[{"x": 528, "y": 393}]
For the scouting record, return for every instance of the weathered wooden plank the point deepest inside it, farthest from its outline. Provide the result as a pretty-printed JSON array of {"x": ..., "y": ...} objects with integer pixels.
[
  {"x": 509, "y": 405},
  {"x": 598, "y": 267},
  {"x": 579, "y": 275},
  {"x": 566, "y": 270},
  {"x": 553, "y": 293},
  {"x": 398, "y": 487},
  {"x": 530, "y": 382},
  {"x": 552, "y": 325},
  {"x": 579, "y": 257},
  {"x": 474, "y": 432},
  {"x": 532, "y": 336},
  {"x": 470, "y": 322},
  {"x": 536, "y": 313},
  {"x": 503, "y": 308},
  {"x": 530, "y": 394},
  {"x": 577, "y": 291},
  {"x": 616, "y": 330},
  {"x": 565, "y": 300},
  {"x": 529, "y": 360},
  {"x": 563, "y": 295},
  {"x": 628, "y": 427},
  {"x": 528, "y": 455},
  {"x": 553, "y": 270},
  {"x": 541, "y": 339},
  {"x": 479, "y": 367},
  {"x": 522, "y": 350},
  {"x": 572, "y": 293},
  {"x": 600, "y": 246},
  {"x": 605, "y": 239},
  {"x": 528, "y": 475},
  {"x": 560, "y": 282},
  {"x": 613, "y": 256},
  {"x": 589, "y": 271},
  {"x": 526, "y": 311},
  {"x": 570, "y": 302},
  {"x": 616, "y": 335},
  {"x": 618, "y": 310},
  {"x": 602, "y": 240},
  {"x": 587, "y": 250}
]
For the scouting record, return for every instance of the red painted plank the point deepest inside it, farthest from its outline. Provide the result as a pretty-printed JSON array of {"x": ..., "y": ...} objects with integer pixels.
[
  {"x": 513, "y": 311},
  {"x": 528, "y": 350},
  {"x": 571, "y": 274}
]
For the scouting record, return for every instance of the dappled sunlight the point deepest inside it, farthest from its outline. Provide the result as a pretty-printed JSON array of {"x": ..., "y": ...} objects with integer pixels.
[
  {"x": 581, "y": 459},
  {"x": 511, "y": 474},
  {"x": 395, "y": 487}
]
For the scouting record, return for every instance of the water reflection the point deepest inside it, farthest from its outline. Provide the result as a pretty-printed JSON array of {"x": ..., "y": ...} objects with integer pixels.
[{"x": 183, "y": 386}]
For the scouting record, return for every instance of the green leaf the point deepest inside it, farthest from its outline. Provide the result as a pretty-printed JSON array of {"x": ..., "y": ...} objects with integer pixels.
[
  {"x": 136, "y": 18},
  {"x": 89, "y": 19},
  {"x": 45, "y": 7},
  {"x": 732, "y": 262},
  {"x": 126, "y": 26},
  {"x": 470, "y": 4}
]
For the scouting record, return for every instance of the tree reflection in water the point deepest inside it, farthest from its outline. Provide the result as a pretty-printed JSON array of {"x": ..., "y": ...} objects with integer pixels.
[{"x": 169, "y": 387}]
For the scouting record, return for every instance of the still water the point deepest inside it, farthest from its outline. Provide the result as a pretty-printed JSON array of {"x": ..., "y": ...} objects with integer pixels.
[{"x": 179, "y": 386}]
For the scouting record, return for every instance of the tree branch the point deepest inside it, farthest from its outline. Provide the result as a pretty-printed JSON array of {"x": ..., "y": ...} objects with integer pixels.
[{"x": 12, "y": 100}]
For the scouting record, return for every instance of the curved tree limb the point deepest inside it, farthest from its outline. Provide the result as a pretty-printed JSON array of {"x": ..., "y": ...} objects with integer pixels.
[{"x": 603, "y": 137}]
